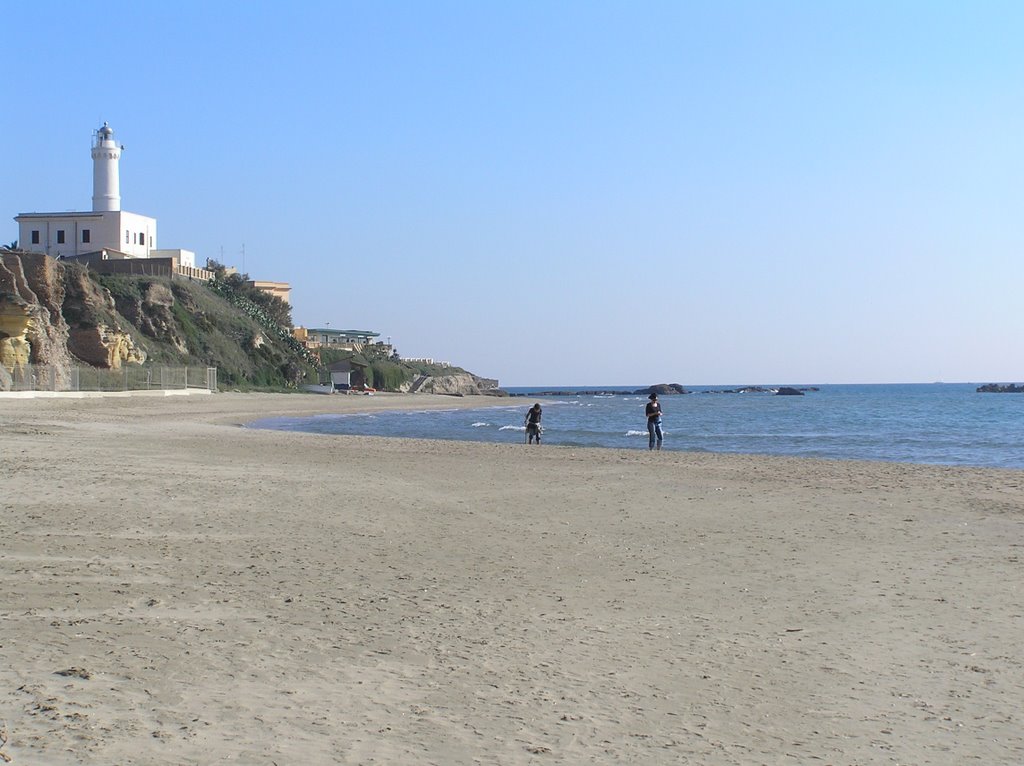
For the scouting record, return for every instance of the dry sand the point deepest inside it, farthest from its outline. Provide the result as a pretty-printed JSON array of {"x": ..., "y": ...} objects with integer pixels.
[{"x": 179, "y": 590}]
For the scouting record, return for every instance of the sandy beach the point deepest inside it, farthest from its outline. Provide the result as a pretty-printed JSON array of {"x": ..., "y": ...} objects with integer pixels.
[{"x": 181, "y": 590}]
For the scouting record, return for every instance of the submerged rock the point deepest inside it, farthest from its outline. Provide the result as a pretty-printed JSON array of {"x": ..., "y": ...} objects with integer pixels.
[
  {"x": 789, "y": 391},
  {"x": 662, "y": 389}
]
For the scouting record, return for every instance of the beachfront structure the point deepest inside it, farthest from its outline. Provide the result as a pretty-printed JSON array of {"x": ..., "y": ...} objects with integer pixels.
[
  {"x": 347, "y": 373},
  {"x": 106, "y": 226},
  {"x": 324, "y": 337}
]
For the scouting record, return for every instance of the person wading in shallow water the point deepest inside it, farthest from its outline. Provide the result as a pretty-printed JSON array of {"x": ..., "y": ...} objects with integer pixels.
[
  {"x": 533, "y": 424},
  {"x": 654, "y": 421}
]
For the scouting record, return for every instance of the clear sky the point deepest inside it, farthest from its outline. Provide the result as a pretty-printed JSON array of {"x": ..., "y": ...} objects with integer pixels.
[{"x": 567, "y": 193}]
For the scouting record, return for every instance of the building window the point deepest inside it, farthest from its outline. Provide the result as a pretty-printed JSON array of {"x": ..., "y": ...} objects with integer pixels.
[
  {"x": 142, "y": 238},
  {"x": 127, "y": 237},
  {"x": 35, "y": 236},
  {"x": 151, "y": 242},
  {"x": 60, "y": 236},
  {"x": 85, "y": 235}
]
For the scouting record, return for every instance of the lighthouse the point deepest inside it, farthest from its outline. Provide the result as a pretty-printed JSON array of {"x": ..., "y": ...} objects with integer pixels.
[
  {"x": 106, "y": 181},
  {"x": 105, "y": 233}
]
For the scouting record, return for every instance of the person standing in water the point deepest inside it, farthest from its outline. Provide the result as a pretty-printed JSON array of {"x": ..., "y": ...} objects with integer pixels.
[
  {"x": 533, "y": 424},
  {"x": 654, "y": 422}
]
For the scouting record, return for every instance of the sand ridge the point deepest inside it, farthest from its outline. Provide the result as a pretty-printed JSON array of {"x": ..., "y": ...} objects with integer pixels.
[{"x": 182, "y": 590}]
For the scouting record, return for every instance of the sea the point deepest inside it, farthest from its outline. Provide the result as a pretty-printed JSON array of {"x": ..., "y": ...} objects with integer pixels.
[{"x": 936, "y": 423}]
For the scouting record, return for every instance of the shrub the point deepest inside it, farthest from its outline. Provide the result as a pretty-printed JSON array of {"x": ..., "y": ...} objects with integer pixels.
[{"x": 388, "y": 376}]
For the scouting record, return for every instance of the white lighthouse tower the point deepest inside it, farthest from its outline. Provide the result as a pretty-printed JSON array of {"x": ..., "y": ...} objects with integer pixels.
[{"x": 106, "y": 179}]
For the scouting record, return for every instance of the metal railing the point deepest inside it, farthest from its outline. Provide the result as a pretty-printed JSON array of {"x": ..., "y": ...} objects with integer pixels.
[{"x": 45, "y": 377}]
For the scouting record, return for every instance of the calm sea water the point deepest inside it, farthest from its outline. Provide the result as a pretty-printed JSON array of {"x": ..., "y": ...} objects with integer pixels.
[{"x": 946, "y": 424}]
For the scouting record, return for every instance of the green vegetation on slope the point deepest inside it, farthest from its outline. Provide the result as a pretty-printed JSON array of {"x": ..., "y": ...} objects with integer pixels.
[
  {"x": 231, "y": 325},
  {"x": 183, "y": 322}
]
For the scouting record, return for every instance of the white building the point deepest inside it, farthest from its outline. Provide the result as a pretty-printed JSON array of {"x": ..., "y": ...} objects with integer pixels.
[{"x": 106, "y": 227}]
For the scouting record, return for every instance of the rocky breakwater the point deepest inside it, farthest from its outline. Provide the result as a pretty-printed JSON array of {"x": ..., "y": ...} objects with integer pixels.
[
  {"x": 671, "y": 389},
  {"x": 52, "y": 314},
  {"x": 662, "y": 389},
  {"x": 780, "y": 391},
  {"x": 1001, "y": 388}
]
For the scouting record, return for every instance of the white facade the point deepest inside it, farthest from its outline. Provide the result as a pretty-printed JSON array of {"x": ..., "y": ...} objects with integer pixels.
[
  {"x": 137, "y": 233},
  {"x": 185, "y": 257},
  {"x": 60, "y": 234}
]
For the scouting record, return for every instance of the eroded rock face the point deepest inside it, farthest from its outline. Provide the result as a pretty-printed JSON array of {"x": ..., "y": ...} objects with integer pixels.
[
  {"x": 458, "y": 383},
  {"x": 36, "y": 282},
  {"x": 14, "y": 323},
  {"x": 104, "y": 346},
  {"x": 83, "y": 298},
  {"x": 153, "y": 314},
  {"x": 38, "y": 296}
]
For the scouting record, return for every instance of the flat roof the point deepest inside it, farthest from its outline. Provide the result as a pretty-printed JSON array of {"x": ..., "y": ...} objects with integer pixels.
[
  {"x": 329, "y": 331},
  {"x": 83, "y": 214}
]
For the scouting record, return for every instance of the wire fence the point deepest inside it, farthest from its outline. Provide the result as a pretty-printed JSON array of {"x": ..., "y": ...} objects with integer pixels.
[{"x": 45, "y": 377}]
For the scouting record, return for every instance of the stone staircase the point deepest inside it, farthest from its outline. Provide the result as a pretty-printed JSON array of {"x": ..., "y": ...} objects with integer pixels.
[{"x": 418, "y": 383}]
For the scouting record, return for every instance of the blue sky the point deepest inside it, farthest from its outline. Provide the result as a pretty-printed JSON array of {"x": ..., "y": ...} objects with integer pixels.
[{"x": 567, "y": 193}]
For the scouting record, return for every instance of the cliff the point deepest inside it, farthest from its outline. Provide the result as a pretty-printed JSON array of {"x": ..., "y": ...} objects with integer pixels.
[
  {"x": 58, "y": 313},
  {"x": 51, "y": 313}
]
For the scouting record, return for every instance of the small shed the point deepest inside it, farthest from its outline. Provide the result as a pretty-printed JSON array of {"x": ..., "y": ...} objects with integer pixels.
[{"x": 347, "y": 373}]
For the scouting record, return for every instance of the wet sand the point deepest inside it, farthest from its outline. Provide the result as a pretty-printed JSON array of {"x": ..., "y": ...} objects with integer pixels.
[{"x": 180, "y": 590}]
